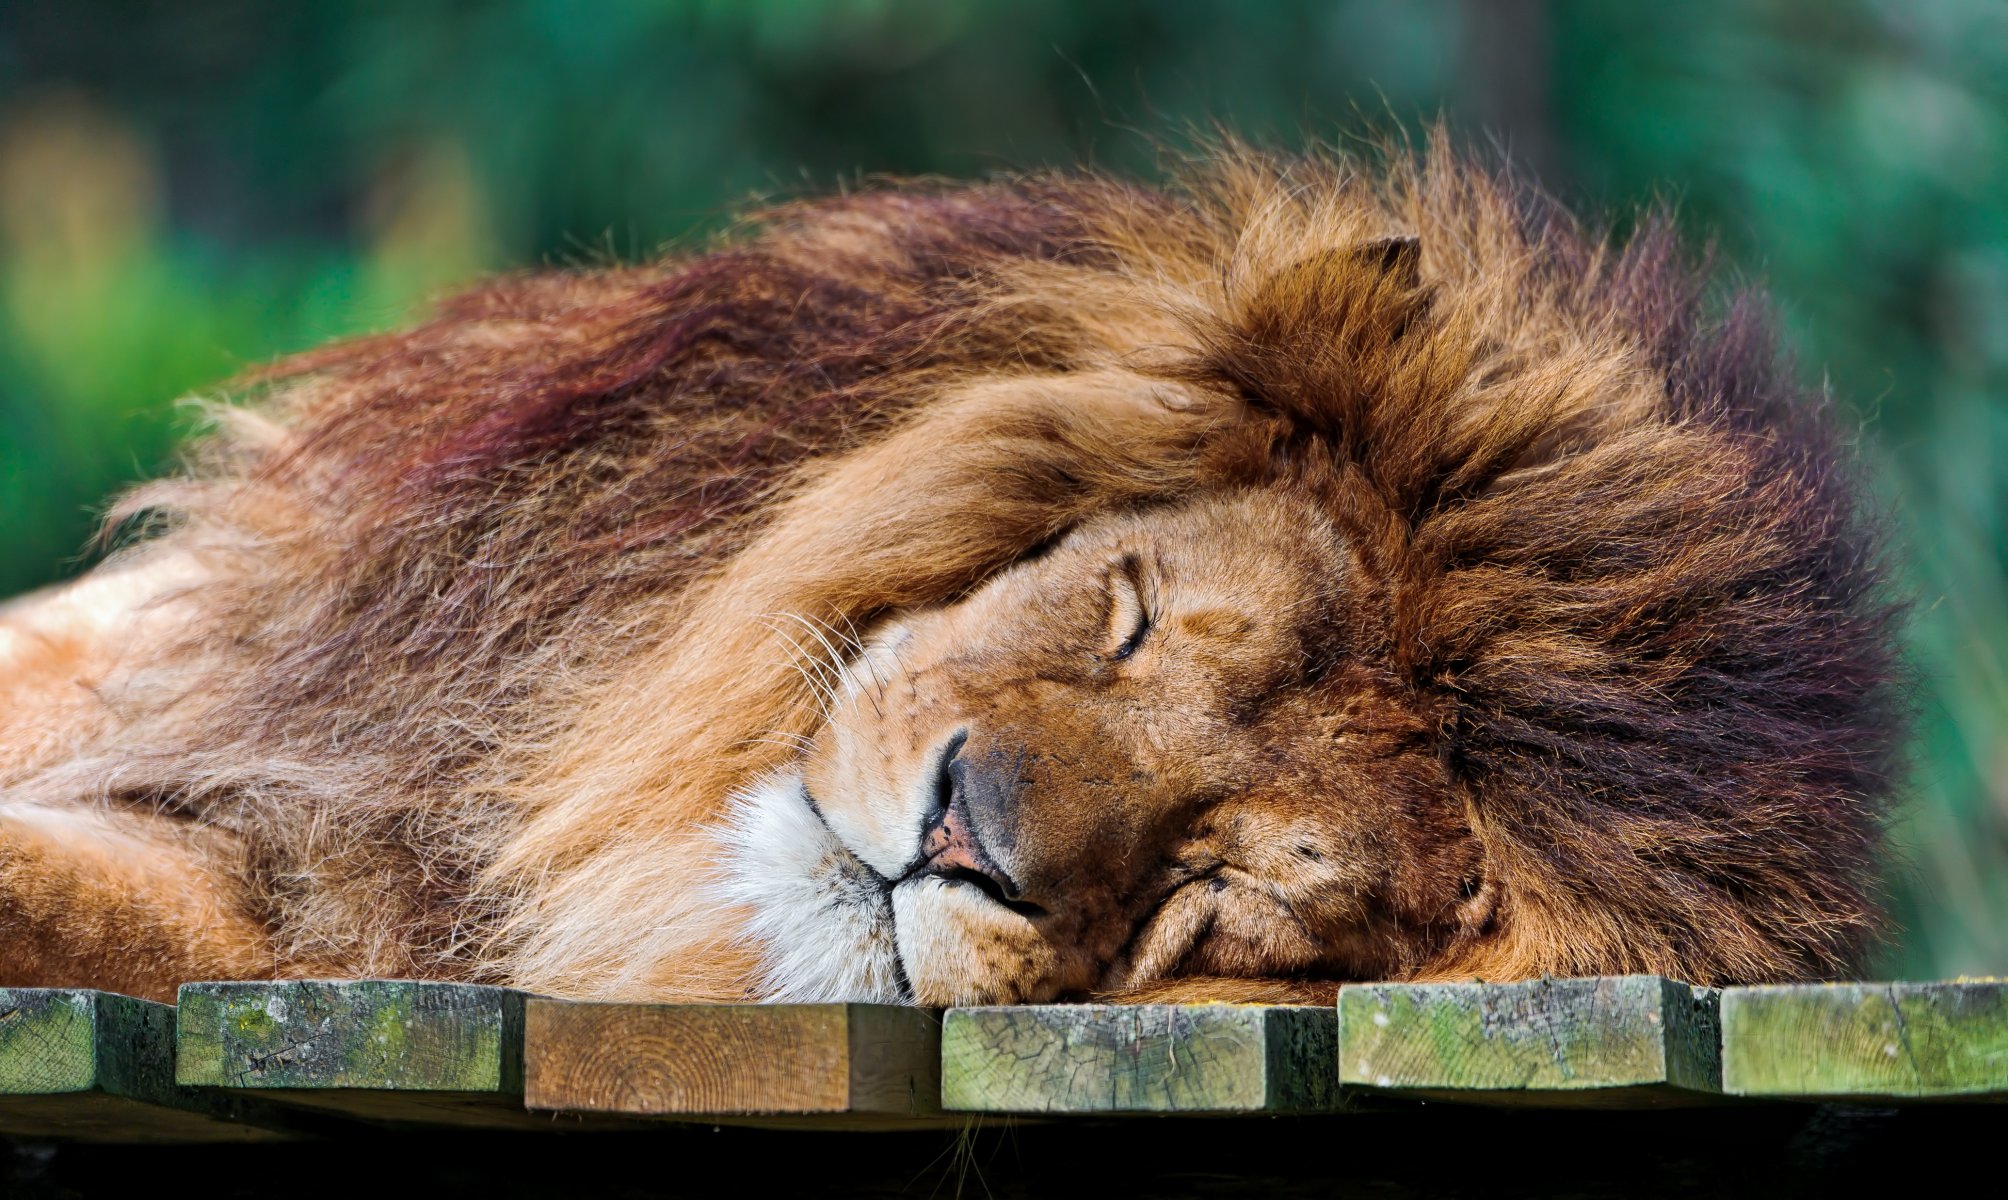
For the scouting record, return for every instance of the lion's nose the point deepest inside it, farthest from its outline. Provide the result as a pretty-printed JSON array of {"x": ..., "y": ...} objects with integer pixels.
[{"x": 950, "y": 846}]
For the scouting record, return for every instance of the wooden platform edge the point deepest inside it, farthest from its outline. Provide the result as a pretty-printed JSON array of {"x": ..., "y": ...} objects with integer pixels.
[
  {"x": 843, "y": 1065},
  {"x": 1140, "y": 1059},
  {"x": 380, "y": 1035},
  {"x": 1589, "y": 1042},
  {"x": 385, "y": 1051},
  {"x": 1877, "y": 1042},
  {"x": 93, "y": 1066},
  {"x": 84, "y": 1065}
]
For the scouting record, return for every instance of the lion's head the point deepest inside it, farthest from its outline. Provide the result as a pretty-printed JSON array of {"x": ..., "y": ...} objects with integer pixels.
[{"x": 1159, "y": 747}]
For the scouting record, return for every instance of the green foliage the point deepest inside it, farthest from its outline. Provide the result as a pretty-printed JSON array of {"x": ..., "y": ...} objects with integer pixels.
[{"x": 188, "y": 189}]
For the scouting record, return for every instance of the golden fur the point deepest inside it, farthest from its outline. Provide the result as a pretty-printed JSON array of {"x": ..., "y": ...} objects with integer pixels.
[{"x": 478, "y": 628}]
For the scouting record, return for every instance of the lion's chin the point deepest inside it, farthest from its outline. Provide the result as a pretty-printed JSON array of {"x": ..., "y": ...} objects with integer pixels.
[
  {"x": 961, "y": 947},
  {"x": 822, "y": 918},
  {"x": 829, "y": 928}
]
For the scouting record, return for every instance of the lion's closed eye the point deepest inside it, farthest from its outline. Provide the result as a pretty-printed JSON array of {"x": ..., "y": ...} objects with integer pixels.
[{"x": 1129, "y": 618}]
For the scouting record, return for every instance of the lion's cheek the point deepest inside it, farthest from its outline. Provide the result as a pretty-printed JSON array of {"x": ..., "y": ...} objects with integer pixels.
[
  {"x": 960, "y": 947},
  {"x": 816, "y": 913}
]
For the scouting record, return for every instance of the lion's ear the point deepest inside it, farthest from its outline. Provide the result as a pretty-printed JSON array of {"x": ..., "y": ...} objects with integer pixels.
[
  {"x": 1329, "y": 275},
  {"x": 1398, "y": 256},
  {"x": 1478, "y": 912}
]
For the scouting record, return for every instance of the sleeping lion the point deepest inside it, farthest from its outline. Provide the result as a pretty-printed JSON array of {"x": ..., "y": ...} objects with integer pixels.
[{"x": 1306, "y": 571}]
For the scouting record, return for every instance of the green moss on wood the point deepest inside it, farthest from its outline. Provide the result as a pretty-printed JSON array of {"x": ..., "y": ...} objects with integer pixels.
[
  {"x": 1593, "y": 1040},
  {"x": 380, "y": 1035},
  {"x": 1138, "y": 1059},
  {"x": 76, "y": 1040},
  {"x": 93, "y": 1066},
  {"x": 48, "y": 1041},
  {"x": 1867, "y": 1040}
]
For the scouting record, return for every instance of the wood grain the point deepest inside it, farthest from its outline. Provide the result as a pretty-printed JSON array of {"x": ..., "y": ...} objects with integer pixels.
[
  {"x": 1869, "y": 1041},
  {"x": 1152, "y": 1058},
  {"x": 1614, "y": 1041},
  {"x": 871, "y": 1063},
  {"x": 80, "y": 1065}
]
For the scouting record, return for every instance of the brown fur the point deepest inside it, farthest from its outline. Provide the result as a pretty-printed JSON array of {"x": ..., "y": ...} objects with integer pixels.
[
  {"x": 490, "y": 612},
  {"x": 128, "y": 905}
]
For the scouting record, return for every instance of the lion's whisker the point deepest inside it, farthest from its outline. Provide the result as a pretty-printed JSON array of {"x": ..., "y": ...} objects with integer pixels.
[
  {"x": 864, "y": 655},
  {"x": 839, "y": 661},
  {"x": 820, "y": 686}
]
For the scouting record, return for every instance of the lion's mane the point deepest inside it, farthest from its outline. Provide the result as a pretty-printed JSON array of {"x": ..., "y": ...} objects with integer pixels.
[{"x": 502, "y": 607}]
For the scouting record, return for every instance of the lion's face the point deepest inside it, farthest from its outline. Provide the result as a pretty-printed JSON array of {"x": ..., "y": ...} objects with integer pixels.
[{"x": 1154, "y": 751}]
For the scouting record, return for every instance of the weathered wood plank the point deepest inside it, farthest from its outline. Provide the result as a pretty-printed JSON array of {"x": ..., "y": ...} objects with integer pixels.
[
  {"x": 853, "y": 1065},
  {"x": 1615, "y": 1041},
  {"x": 1869, "y": 1041},
  {"x": 1151, "y": 1058},
  {"x": 78, "y": 1065},
  {"x": 384, "y": 1050}
]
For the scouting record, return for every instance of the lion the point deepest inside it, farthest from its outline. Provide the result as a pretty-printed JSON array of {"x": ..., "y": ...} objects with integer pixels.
[{"x": 1310, "y": 569}]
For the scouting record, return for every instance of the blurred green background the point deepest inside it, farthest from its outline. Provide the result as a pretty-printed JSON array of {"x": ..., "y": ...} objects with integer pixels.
[{"x": 189, "y": 188}]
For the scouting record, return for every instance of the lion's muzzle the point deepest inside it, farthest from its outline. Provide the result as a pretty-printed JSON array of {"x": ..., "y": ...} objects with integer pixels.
[{"x": 951, "y": 848}]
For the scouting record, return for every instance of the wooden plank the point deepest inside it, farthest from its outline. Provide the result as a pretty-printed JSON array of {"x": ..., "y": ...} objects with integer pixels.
[
  {"x": 1614, "y": 1041},
  {"x": 381, "y": 1050},
  {"x": 79, "y": 1065},
  {"x": 1147, "y": 1058},
  {"x": 1867, "y": 1041},
  {"x": 849, "y": 1065}
]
